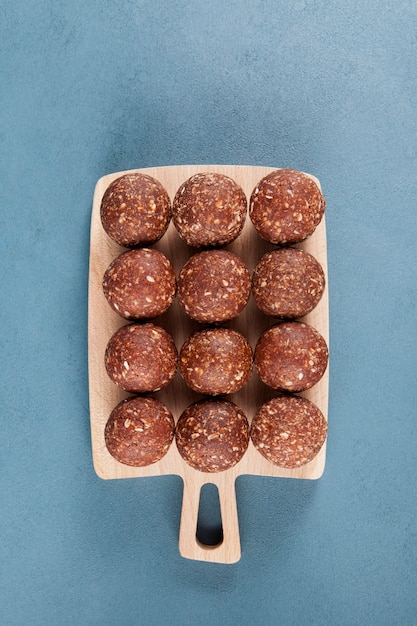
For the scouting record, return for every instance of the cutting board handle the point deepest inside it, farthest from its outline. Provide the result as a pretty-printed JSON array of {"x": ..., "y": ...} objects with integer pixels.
[{"x": 228, "y": 551}]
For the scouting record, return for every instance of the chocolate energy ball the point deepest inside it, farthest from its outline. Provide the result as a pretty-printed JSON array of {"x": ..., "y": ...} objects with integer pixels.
[
  {"x": 214, "y": 286},
  {"x": 139, "y": 431},
  {"x": 209, "y": 210},
  {"x": 216, "y": 361},
  {"x": 135, "y": 210},
  {"x": 212, "y": 435},
  {"x": 288, "y": 283},
  {"x": 141, "y": 358},
  {"x": 286, "y": 206},
  {"x": 289, "y": 431},
  {"x": 140, "y": 284},
  {"x": 291, "y": 356}
]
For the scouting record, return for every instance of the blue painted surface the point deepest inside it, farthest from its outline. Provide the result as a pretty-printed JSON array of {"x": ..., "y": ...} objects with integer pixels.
[{"x": 89, "y": 88}]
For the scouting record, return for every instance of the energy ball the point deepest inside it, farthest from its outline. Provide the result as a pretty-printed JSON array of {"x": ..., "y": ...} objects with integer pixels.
[
  {"x": 139, "y": 431},
  {"x": 291, "y": 356},
  {"x": 140, "y": 284},
  {"x": 216, "y": 361},
  {"x": 212, "y": 435},
  {"x": 289, "y": 431},
  {"x": 286, "y": 206},
  {"x": 288, "y": 283},
  {"x": 209, "y": 210},
  {"x": 141, "y": 358},
  {"x": 214, "y": 286},
  {"x": 135, "y": 210}
]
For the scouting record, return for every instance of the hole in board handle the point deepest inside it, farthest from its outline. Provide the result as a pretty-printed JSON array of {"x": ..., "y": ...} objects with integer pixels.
[{"x": 209, "y": 531}]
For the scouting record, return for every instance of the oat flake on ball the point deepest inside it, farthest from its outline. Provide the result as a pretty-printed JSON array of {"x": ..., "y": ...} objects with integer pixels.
[
  {"x": 141, "y": 358},
  {"x": 209, "y": 210},
  {"x": 286, "y": 206},
  {"x": 135, "y": 210},
  {"x": 139, "y": 431},
  {"x": 212, "y": 435},
  {"x": 214, "y": 286},
  {"x": 140, "y": 284},
  {"x": 289, "y": 431}
]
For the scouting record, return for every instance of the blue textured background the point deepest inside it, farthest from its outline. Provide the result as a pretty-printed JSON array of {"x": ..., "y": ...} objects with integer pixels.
[{"x": 90, "y": 88}]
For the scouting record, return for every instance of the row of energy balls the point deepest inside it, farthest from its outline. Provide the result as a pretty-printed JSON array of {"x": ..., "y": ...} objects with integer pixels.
[{"x": 214, "y": 285}]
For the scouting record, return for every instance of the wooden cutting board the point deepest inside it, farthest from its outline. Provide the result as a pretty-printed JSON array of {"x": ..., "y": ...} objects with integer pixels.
[{"x": 104, "y": 395}]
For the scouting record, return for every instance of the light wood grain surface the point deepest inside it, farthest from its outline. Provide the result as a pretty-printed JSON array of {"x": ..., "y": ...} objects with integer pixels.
[{"x": 104, "y": 395}]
